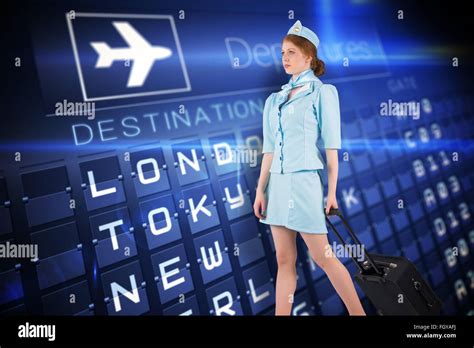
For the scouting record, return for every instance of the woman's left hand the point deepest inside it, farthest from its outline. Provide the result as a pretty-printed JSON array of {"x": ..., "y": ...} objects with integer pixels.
[{"x": 331, "y": 203}]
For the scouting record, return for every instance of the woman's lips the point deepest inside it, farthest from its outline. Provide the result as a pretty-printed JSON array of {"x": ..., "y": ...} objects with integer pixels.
[{"x": 287, "y": 65}]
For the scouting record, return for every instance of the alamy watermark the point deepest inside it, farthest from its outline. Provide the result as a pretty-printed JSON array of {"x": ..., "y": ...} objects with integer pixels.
[
  {"x": 348, "y": 250},
  {"x": 28, "y": 330},
  {"x": 11, "y": 250},
  {"x": 393, "y": 108},
  {"x": 240, "y": 154},
  {"x": 67, "y": 108}
]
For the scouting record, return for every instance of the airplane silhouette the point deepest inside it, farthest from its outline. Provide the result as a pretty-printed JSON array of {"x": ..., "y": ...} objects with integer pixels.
[{"x": 140, "y": 51}]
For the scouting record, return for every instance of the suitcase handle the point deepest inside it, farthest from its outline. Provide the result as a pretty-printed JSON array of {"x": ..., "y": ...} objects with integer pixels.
[
  {"x": 375, "y": 279},
  {"x": 337, "y": 212}
]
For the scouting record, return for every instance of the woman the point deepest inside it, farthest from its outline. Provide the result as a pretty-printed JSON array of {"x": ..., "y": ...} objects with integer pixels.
[{"x": 290, "y": 181}]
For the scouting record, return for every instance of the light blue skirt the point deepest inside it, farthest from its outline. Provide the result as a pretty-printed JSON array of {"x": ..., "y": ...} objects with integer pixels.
[{"x": 296, "y": 200}]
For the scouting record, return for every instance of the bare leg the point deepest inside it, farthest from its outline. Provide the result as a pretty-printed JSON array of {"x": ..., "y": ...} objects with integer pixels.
[
  {"x": 322, "y": 254},
  {"x": 285, "y": 246}
]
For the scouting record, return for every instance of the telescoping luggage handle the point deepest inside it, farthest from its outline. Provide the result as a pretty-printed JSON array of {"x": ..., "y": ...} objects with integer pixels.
[{"x": 337, "y": 212}]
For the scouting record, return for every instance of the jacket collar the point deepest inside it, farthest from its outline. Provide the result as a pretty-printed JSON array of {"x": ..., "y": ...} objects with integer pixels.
[{"x": 306, "y": 76}]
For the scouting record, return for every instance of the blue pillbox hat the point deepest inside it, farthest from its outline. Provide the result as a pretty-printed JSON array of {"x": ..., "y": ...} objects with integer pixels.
[{"x": 298, "y": 29}]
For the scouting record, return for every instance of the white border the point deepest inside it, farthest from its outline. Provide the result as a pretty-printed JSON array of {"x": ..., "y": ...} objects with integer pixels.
[{"x": 122, "y": 15}]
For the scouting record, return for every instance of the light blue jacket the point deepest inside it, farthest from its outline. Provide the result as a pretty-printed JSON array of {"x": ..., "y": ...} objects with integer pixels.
[{"x": 292, "y": 128}]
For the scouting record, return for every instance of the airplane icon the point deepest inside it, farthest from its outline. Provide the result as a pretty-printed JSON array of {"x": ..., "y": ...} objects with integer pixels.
[{"x": 139, "y": 51}]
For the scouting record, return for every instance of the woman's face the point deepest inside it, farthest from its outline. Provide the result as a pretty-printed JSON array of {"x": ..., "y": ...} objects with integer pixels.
[{"x": 293, "y": 59}]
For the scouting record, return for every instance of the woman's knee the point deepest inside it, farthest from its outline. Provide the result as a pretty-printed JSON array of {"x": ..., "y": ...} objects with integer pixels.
[
  {"x": 324, "y": 258},
  {"x": 285, "y": 245},
  {"x": 322, "y": 261},
  {"x": 286, "y": 258}
]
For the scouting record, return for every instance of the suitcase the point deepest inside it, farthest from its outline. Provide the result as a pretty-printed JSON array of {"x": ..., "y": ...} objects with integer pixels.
[{"x": 391, "y": 283}]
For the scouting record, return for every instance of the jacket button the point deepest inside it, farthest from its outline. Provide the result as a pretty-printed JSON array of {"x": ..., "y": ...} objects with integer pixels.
[
  {"x": 280, "y": 143},
  {"x": 280, "y": 158}
]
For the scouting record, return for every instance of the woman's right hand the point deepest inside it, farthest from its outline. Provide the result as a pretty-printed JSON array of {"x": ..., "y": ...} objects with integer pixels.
[{"x": 260, "y": 205}]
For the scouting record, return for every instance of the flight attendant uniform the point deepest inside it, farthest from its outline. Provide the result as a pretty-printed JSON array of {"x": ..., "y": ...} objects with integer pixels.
[{"x": 291, "y": 129}]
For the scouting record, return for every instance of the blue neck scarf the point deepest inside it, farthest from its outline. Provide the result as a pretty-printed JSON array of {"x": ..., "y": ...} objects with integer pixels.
[{"x": 303, "y": 78}]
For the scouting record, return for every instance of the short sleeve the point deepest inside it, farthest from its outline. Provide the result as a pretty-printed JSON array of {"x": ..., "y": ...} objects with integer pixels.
[
  {"x": 329, "y": 117},
  {"x": 268, "y": 137}
]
